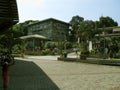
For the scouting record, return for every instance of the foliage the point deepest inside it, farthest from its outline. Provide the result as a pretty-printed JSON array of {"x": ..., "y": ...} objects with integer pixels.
[
  {"x": 83, "y": 29},
  {"x": 20, "y": 29},
  {"x": 107, "y": 22},
  {"x": 83, "y": 46},
  {"x": 75, "y": 22},
  {"x": 57, "y": 47},
  {"x": 84, "y": 51},
  {"x": 50, "y": 45},
  {"x": 17, "y": 49},
  {"x": 12, "y": 35},
  {"x": 68, "y": 45},
  {"x": 46, "y": 52},
  {"x": 7, "y": 41}
]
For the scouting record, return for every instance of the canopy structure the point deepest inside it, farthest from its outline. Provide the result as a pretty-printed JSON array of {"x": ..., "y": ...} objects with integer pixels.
[
  {"x": 8, "y": 14},
  {"x": 34, "y": 36}
]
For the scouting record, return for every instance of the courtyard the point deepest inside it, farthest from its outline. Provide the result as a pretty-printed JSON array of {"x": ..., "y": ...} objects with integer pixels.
[{"x": 47, "y": 73}]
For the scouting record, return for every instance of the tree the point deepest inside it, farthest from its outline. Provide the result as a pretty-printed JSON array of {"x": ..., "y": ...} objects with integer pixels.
[
  {"x": 85, "y": 30},
  {"x": 20, "y": 28},
  {"x": 11, "y": 37},
  {"x": 8, "y": 40},
  {"x": 84, "y": 33},
  {"x": 107, "y": 22},
  {"x": 75, "y": 22}
]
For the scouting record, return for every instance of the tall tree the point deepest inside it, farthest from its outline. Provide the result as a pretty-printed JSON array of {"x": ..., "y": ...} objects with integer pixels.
[
  {"x": 75, "y": 22},
  {"x": 85, "y": 30}
]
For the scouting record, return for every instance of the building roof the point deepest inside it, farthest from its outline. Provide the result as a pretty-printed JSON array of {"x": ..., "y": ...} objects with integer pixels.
[
  {"x": 116, "y": 29},
  {"x": 109, "y": 28},
  {"x": 108, "y": 35},
  {"x": 8, "y": 14},
  {"x": 49, "y": 19},
  {"x": 34, "y": 36}
]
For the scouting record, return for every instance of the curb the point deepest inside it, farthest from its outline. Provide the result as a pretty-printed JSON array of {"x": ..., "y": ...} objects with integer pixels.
[{"x": 93, "y": 61}]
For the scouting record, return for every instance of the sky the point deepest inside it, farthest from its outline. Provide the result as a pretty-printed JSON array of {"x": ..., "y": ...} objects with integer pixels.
[{"x": 65, "y": 9}]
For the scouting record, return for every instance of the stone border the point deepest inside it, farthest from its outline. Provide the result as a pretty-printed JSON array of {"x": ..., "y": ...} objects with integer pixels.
[{"x": 93, "y": 61}]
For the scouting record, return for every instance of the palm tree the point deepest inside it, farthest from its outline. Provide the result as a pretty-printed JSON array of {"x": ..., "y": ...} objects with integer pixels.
[{"x": 84, "y": 34}]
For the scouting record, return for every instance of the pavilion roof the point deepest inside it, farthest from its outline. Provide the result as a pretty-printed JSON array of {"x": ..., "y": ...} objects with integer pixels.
[{"x": 34, "y": 36}]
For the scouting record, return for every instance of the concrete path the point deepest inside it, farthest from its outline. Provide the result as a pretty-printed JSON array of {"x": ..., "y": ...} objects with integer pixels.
[{"x": 46, "y": 73}]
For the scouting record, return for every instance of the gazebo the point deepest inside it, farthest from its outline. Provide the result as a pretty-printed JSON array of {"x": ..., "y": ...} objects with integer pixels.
[{"x": 33, "y": 37}]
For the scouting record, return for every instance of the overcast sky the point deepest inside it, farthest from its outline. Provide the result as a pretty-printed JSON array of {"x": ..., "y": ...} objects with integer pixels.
[{"x": 65, "y": 9}]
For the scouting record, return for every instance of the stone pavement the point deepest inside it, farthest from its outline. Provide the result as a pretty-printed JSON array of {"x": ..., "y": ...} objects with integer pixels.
[{"x": 46, "y": 73}]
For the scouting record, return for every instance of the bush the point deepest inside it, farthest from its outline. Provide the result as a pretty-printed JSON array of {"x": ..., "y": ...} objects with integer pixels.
[
  {"x": 68, "y": 45},
  {"x": 50, "y": 45},
  {"x": 85, "y": 52},
  {"x": 46, "y": 52},
  {"x": 17, "y": 49}
]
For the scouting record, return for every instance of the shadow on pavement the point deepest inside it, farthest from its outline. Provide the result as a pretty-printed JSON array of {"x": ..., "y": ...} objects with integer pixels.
[{"x": 26, "y": 75}]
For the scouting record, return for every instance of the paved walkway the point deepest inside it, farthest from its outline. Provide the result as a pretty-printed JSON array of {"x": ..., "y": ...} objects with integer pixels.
[{"x": 46, "y": 73}]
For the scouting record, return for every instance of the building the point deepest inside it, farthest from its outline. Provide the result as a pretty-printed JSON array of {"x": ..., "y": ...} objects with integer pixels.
[
  {"x": 116, "y": 30},
  {"x": 110, "y": 32},
  {"x": 8, "y": 14},
  {"x": 107, "y": 37},
  {"x": 55, "y": 30}
]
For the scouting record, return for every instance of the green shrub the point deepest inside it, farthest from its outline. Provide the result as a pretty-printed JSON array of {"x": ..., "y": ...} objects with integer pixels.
[
  {"x": 85, "y": 52},
  {"x": 46, "y": 52}
]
